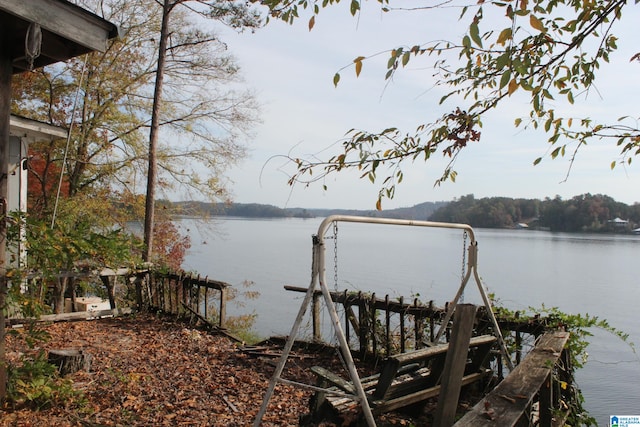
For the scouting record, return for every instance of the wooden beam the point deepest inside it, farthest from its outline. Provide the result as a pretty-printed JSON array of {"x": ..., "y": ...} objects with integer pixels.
[
  {"x": 80, "y": 315},
  {"x": 454, "y": 365},
  {"x": 65, "y": 19},
  {"x": 506, "y": 403}
]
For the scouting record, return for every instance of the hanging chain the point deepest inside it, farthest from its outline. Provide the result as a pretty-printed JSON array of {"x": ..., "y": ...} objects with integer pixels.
[
  {"x": 464, "y": 262},
  {"x": 335, "y": 255},
  {"x": 335, "y": 288}
]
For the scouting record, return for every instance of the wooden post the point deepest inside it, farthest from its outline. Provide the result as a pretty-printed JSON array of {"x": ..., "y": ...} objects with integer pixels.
[
  {"x": 454, "y": 365},
  {"x": 110, "y": 291},
  {"x": 518, "y": 341},
  {"x": 73, "y": 294},
  {"x": 159, "y": 281},
  {"x": 417, "y": 325},
  {"x": 137, "y": 283},
  {"x": 172, "y": 293},
  {"x": 183, "y": 292},
  {"x": 402, "y": 334},
  {"x": 387, "y": 318},
  {"x": 447, "y": 331},
  {"x": 177, "y": 286},
  {"x": 222, "y": 322},
  {"x": 432, "y": 323},
  {"x": 545, "y": 402},
  {"x": 206, "y": 302},
  {"x": 5, "y": 113},
  {"x": 197, "y": 299},
  {"x": 315, "y": 313},
  {"x": 363, "y": 334},
  {"x": 373, "y": 319}
]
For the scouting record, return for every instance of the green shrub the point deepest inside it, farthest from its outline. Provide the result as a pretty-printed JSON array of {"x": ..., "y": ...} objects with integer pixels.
[{"x": 36, "y": 383}]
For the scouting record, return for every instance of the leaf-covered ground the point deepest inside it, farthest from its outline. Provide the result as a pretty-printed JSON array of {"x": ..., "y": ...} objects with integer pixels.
[{"x": 149, "y": 370}]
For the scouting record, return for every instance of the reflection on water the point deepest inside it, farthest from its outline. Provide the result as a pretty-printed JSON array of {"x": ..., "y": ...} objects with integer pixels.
[{"x": 590, "y": 273}]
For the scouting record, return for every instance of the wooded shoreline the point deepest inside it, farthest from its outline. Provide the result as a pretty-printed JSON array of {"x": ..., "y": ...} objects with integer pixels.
[{"x": 583, "y": 213}]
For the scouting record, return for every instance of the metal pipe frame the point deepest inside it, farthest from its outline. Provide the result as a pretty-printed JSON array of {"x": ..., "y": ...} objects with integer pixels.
[{"x": 318, "y": 278}]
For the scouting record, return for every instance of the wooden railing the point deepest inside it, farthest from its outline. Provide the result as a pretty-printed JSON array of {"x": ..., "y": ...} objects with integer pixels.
[
  {"x": 380, "y": 325},
  {"x": 175, "y": 293},
  {"x": 191, "y": 295},
  {"x": 387, "y": 326}
]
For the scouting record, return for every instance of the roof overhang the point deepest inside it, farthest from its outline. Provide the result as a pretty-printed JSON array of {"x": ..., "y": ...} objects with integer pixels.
[
  {"x": 67, "y": 31},
  {"x": 35, "y": 130}
]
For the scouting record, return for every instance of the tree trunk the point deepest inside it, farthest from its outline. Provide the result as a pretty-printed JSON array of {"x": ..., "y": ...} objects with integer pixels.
[
  {"x": 60, "y": 288},
  {"x": 69, "y": 361},
  {"x": 149, "y": 209},
  {"x": 111, "y": 289}
]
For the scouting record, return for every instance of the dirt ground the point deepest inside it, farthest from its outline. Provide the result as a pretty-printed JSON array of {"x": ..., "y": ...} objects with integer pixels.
[{"x": 149, "y": 370}]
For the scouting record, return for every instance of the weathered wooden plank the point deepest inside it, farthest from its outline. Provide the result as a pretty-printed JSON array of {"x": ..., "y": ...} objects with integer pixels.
[
  {"x": 419, "y": 396},
  {"x": 454, "y": 364},
  {"x": 428, "y": 352},
  {"x": 387, "y": 375},
  {"x": 334, "y": 379},
  {"x": 505, "y": 405},
  {"x": 436, "y": 354},
  {"x": 81, "y": 315},
  {"x": 404, "y": 379}
]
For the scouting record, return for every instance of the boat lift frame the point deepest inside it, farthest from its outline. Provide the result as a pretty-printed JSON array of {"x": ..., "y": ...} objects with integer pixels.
[{"x": 318, "y": 278}]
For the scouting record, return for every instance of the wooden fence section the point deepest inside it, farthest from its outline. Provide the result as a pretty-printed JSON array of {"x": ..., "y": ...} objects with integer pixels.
[
  {"x": 375, "y": 332},
  {"x": 543, "y": 378},
  {"x": 386, "y": 326},
  {"x": 182, "y": 294}
]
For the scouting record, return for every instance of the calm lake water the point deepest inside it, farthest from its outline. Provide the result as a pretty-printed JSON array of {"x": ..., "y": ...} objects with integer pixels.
[{"x": 583, "y": 273}]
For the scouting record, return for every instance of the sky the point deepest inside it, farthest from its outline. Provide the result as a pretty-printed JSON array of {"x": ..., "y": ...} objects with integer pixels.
[{"x": 291, "y": 71}]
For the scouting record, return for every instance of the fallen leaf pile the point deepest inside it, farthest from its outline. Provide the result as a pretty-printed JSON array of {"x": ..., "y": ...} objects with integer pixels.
[{"x": 149, "y": 370}]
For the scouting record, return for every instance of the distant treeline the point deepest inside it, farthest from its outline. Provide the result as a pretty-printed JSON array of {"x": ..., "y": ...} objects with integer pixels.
[
  {"x": 581, "y": 213},
  {"x": 421, "y": 211},
  {"x": 586, "y": 212}
]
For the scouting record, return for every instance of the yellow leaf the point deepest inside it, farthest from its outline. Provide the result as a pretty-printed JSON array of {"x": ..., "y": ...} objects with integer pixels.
[
  {"x": 379, "y": 205},
  {"x": 312, "y": 22},
  {"x": 358, "y": 62},
  {"x": 513, "y": 86},
  {"x": 536, "y": 23},
  {"x": 504, "y": 36}
]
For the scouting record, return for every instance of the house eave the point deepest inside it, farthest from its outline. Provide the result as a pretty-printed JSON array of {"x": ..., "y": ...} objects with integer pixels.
[
  {"x": 67, "y": 31},
  {"x": 34, "y": 129}
]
